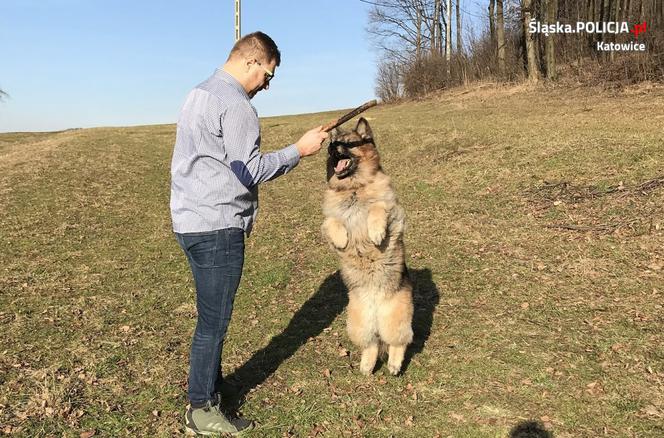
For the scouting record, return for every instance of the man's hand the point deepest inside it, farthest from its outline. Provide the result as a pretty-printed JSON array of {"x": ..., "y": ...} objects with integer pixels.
[{"x": 311, "y": 141}]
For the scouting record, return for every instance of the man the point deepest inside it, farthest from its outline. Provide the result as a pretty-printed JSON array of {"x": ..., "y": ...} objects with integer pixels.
[{"x": 216, "y": 169}]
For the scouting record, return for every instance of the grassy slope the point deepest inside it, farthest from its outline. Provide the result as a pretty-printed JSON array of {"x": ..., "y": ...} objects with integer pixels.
[{"x": 516, "y": 317}]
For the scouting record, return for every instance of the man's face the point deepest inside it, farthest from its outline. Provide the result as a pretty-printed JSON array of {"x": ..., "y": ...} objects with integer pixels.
[{"x": 261, "y": 73}]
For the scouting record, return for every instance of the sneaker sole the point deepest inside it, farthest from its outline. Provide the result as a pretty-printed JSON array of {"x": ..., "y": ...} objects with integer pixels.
[{"x": 191, "y": 432}]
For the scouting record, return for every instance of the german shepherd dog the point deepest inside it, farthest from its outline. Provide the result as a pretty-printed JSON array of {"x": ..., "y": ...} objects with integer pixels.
[{"x": 365, "y": 225}]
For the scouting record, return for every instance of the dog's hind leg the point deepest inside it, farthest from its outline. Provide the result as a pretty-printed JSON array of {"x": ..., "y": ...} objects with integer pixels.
[
  {"x": 361, "y": 331},
  {"x": 369, "y": 357},
  {"x": 395, "y": 316},
  {"x": 395, "y": 358}
]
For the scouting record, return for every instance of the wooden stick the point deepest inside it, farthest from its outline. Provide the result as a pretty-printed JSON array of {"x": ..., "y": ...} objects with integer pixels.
[{"x": 346, "y": 117}]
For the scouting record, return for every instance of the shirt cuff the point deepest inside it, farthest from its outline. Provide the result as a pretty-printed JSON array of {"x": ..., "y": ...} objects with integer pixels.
[{"x": 292, "y": 155}]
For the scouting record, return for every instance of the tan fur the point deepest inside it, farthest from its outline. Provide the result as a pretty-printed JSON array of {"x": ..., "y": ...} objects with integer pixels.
[{"x": 365, "y": 225}]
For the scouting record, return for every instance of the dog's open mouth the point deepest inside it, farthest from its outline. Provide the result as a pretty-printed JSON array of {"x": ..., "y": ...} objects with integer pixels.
[{"x": 343, "y": 163}]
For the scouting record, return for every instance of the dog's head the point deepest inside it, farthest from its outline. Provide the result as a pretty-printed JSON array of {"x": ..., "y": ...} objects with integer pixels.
[{"x": 352, "y": 155}]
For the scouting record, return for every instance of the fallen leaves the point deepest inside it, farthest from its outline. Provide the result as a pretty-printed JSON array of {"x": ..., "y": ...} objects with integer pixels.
[
  {"x": 594, "y": 388},
  {"x": 457, "y": 417},
  {"x": 652, "y": 411}
]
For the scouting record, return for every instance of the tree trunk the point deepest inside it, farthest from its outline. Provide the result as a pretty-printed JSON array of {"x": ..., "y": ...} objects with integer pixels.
[
  {"x": 418, "y": 41},
  {"x": 440, "y": 29},
  {"x": 590, "y": 17},
  {"x": 492, "y": 23},
  {"x": 501, "y": 37},
  {"x": 434, "y": 27},
  {"x": 626, "y": 7},
  {"x": 458, "y": 28},
  {"x": 534, "y": 74},
  {"x": 448, "y": 36},
  {"x": 605, "y": 15},
  {"x": 550, "y": 47}
]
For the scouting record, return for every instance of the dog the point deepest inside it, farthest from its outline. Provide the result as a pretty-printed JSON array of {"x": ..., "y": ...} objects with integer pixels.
[{"x": 365, "y": 225}]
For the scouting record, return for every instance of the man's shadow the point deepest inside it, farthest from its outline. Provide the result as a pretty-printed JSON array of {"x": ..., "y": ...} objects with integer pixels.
[{"x": 316, "y": 314}]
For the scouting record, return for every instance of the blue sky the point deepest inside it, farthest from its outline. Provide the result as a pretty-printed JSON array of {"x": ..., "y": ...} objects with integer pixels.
[{"x": 83, "y": 63}]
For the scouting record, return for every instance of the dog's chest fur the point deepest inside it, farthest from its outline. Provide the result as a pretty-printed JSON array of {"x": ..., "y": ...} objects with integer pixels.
[
  {"x": 354, "y": 212},
  {"x": 352, "y": 208}
]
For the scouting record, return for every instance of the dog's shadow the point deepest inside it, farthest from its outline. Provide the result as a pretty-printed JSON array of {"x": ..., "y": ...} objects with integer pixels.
[
  {"x": 316, "y": 314},
  {"x": 425, "y": 300}
]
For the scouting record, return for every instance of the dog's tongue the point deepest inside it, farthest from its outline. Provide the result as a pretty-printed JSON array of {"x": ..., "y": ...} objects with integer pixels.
[{"x": 341, "y": 165}]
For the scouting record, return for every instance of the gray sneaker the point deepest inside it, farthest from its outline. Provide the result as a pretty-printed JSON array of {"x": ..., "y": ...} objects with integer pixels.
[{"x": 209, "y": 420}]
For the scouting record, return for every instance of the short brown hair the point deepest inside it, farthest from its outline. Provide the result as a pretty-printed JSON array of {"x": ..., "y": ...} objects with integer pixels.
[{"x": 256, "y": 44}]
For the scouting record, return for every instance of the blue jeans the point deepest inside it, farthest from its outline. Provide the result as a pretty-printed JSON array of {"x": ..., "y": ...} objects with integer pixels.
[{"x": 216, "y": 259}]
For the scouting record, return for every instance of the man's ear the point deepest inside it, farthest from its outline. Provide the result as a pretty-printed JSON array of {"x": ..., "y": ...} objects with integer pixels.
[{"x": 363, "y": 129}]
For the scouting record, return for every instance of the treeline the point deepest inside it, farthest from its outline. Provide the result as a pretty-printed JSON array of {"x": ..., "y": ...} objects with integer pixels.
[{"x": 424, "y": 45}]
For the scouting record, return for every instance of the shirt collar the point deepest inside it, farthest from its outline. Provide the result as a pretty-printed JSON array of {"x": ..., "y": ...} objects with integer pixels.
[{"x": 228, "y": 78}]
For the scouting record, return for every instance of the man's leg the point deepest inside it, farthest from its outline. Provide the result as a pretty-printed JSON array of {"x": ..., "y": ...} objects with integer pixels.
[{"x": 216, "y": 261}]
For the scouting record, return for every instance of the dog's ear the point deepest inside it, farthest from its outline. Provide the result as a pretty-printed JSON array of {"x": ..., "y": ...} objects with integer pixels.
[{"x": 363, "y": 129}]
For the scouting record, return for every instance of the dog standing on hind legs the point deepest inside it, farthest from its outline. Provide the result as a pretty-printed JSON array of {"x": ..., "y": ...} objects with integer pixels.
[{"x": 365, "y": 225}]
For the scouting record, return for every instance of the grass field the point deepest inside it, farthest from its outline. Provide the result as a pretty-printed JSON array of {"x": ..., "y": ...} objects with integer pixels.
[{"x": 536, "y": 239}]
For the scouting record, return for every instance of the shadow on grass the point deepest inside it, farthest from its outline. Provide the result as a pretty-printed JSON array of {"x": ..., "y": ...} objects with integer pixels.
[
  {"x": 530, "y": 429},
  {"x": 425, "y": 300},
  {"x": 316, "y": 314}
]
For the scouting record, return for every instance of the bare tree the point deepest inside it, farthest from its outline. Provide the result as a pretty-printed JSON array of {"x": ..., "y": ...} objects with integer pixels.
[
  {"x": 500, "y": 21},
  {"x": 403, "y": 28},
  {"x": 408, "y": 36},
  {"x": 389, "y": 81},
  {"x": 550, "y": 46},
  {"x": 531, "y": 49},
  {"x": 492, "y": 22},
  {"x": 418, "y": 39},
  {"x": 591, "y": 17},
  {"x": 458, "y": 28},
  {"x": 448, "y": 37},
  {"x": 435, "y": 47},
  {"x": 625, "y": 10},
  {"x": 3, "y": 95}
]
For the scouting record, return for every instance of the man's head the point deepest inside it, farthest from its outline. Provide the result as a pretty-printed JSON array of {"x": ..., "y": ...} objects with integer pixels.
[{"x": 253, "y": 61}]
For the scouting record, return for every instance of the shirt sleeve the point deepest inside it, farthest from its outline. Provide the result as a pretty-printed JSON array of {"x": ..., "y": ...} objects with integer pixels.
[{"x": 241, "y": 135}]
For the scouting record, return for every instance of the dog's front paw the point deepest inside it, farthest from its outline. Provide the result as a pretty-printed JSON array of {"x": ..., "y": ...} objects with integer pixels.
[
  {"x": 339, "y": 239},
  {"x": 336, "y": 233},
  {"x": 376, "y": 235}
]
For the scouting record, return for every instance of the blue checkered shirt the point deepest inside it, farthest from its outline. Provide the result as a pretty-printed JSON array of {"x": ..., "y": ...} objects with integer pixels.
[{"x": 217, "y": 163}]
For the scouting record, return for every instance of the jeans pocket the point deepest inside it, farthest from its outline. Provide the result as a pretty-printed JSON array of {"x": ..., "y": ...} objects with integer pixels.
[{"x": 201, "y": 249}]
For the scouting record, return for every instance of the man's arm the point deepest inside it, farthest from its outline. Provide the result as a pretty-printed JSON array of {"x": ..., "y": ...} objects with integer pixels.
[
  {"x": 240, "y": 131},
  {"x": 242, "y": 142}
]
